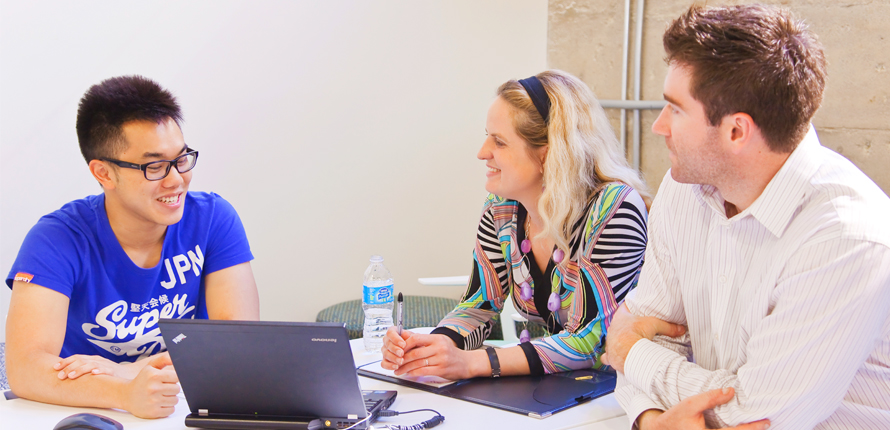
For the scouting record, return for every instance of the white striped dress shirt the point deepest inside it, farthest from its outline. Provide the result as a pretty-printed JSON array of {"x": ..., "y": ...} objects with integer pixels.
[{"x": 788, "y": 302}]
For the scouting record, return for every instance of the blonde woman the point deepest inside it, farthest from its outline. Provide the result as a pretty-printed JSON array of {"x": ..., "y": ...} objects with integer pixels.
[{"x": 562, "y": 235}]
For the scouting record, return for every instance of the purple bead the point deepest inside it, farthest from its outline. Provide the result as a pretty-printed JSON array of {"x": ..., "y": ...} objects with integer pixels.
[
  {"x": 553, "y": 302},
  {"x": 524, "y": 336},
  {"x": 525, "y": 291},
  {"x": 525, "y": 246},
  {"x": 558, "y": 255}
]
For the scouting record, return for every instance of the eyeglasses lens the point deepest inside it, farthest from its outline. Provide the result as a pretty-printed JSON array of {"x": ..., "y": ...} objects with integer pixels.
[{"x": 159, "y": 169}]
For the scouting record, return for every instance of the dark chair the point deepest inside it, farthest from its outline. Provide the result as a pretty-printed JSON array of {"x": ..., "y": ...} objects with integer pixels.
[
  {"x": 419, "y": 311},
  {"x": 4, "y": 384}
]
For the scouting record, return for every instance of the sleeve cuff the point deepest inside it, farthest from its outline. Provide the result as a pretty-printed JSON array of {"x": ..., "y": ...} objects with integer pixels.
[
  {"x": 646, "y": 362},
  {"x": 453, "y": 335},
  {"x": 637, "y": 405},
  {"x": 234, "y": 260},
  {"x": 633, "y": 401},
  {"x": 535, "y": 366}
]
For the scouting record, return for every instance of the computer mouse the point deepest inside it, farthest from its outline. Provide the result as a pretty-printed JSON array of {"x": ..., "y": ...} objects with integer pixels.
[{"x": 88, "y": 422}]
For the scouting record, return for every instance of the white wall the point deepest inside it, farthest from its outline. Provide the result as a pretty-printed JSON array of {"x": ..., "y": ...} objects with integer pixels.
[{"x": 338, "y": 129}]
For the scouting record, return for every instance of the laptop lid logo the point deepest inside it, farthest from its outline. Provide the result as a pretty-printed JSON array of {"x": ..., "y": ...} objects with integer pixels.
[
  {"x": 322, "y": 339},
  {"x": 179, "y": 338}
]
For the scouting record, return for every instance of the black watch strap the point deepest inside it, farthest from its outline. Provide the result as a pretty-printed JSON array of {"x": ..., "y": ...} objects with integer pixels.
[{"x": 495, "y": 364}]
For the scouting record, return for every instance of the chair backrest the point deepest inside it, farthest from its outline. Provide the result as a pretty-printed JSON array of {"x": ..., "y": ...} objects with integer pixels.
[
  {"x": 4, "y": 384},
  {"x": 509, "y": 316}
]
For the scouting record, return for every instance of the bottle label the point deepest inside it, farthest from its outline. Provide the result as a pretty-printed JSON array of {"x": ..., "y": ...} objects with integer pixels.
[{"x": 378, "y": 295}]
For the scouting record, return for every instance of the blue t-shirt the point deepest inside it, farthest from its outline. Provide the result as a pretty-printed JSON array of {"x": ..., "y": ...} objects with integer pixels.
[{"x": 114, "y": 304}]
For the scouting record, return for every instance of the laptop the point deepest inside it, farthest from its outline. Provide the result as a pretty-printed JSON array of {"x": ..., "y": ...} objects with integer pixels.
[{"x": 281, "y": 375}]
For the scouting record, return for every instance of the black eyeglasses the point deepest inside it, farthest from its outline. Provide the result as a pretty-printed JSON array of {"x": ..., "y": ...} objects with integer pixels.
[{"x": 157, "y": 170}]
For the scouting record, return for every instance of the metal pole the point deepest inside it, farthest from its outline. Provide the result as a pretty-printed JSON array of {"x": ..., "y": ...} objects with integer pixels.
[
  {"x": 638, "y": 54},
  {"x": 624, "y": 61},
  {"x": 633, "y": 104}
]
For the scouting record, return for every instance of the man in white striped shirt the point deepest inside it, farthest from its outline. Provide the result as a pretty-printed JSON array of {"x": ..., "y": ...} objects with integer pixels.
[{"x": 765, "y": 296}]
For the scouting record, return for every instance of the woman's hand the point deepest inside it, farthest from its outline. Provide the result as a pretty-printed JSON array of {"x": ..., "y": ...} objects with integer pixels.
[
  {"x": 437, "y": 355},
  {"x": 394, "y": 348}
]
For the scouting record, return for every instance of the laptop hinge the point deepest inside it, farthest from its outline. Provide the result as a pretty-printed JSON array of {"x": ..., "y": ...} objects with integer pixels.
[{"x": 203, "y": 412}]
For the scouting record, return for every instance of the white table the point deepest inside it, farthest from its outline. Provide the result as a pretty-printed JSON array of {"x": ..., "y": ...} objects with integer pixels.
[
  {"x": 603, "y": 413},
  {"x": 600, "y": 414}
]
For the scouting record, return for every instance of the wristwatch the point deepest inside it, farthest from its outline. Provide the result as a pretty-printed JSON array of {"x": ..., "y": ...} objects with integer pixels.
[{"x": 495, "y": 364}]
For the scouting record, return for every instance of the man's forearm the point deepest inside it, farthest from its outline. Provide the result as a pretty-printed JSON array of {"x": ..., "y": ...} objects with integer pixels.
[{"x": 31, "y": 376}]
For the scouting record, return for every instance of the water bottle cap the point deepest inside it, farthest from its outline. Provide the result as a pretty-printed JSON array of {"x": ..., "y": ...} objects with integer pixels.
[{"x": 376, "y": 259}]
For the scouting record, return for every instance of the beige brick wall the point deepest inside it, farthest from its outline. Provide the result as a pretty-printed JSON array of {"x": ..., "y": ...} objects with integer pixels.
[{"x": 585, "y": 39}]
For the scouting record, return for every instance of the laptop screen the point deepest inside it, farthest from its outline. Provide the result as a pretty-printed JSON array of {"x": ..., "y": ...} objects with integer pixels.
[{"x": 250, "y": 368}]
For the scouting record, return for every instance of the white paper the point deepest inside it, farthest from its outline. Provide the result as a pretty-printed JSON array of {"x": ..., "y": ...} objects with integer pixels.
[{"x": 432, "y": 381}]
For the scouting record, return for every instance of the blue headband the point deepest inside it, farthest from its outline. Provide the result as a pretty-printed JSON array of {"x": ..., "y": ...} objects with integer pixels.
[{"x": 539, "y": 97}]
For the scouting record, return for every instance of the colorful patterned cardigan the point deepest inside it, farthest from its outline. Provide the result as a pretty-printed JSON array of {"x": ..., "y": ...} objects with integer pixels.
[{"x": 603, "y": 264}]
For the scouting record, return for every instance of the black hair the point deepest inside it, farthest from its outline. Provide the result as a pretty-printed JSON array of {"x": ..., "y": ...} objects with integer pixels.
[{"x": 107, "y": 106}]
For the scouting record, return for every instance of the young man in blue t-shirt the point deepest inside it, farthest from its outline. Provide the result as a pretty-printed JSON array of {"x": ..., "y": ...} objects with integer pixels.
[{"x": 93, "y": 278}]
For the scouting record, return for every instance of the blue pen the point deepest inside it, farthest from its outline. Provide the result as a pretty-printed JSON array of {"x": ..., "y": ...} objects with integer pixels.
[{"x": 399, "y": 314}]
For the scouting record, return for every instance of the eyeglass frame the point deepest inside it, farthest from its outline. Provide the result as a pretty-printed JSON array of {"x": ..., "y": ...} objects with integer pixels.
[{"x": 170, "y": 163}]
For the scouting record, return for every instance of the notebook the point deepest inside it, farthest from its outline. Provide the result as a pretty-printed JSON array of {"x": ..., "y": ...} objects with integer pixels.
[
  {"x": 432, "y": 381},
  {"x": 282, "y": 375},
  {"x": 535, "y": 396}
]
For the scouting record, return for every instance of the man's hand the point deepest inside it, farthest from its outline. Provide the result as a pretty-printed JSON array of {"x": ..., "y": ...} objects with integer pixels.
[
  {"x": 689, "y": 414},
  {"x": 626, "y": 329},
  {"x": 78, "y": 365},
  {"x": 153, "y": 393}
]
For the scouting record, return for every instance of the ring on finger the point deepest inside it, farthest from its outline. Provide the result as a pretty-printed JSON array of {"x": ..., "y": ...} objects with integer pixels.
[{"x": 426, "y": 362}]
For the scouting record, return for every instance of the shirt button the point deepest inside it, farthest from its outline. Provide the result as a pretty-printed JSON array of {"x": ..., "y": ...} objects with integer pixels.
[
  {"x": 716, "y": 336},
  {"x": 722, "y": 279}
]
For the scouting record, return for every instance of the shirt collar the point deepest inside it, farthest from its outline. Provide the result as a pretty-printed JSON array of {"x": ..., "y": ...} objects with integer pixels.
[
  {"x": 708, "y": 195},
  {"x": 783, "y": 194}
]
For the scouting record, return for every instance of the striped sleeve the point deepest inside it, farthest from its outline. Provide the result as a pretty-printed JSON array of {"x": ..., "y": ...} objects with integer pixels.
[
  {"x": 622, "y": 245},
  {"x": 470, "y": 323}
]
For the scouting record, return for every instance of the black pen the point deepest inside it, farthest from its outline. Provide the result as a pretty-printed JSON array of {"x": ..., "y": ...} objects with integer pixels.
[{"x": 399, "y": 314}]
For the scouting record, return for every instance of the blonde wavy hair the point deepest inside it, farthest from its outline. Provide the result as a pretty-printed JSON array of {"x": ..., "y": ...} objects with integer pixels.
[{"x": 583, "y": 154}]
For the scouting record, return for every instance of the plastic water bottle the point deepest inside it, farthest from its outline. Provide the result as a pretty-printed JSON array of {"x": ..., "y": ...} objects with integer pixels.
[{"x": 377, "y": 302}]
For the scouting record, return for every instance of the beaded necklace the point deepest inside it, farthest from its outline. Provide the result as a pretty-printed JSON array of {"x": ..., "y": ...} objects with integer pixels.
[{"x": 525, "y": 289}]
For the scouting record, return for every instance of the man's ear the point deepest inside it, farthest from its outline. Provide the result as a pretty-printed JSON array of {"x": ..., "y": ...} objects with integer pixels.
[
  {"x": 104, "y": 174},
  {"x": 741, "y": 131}
]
